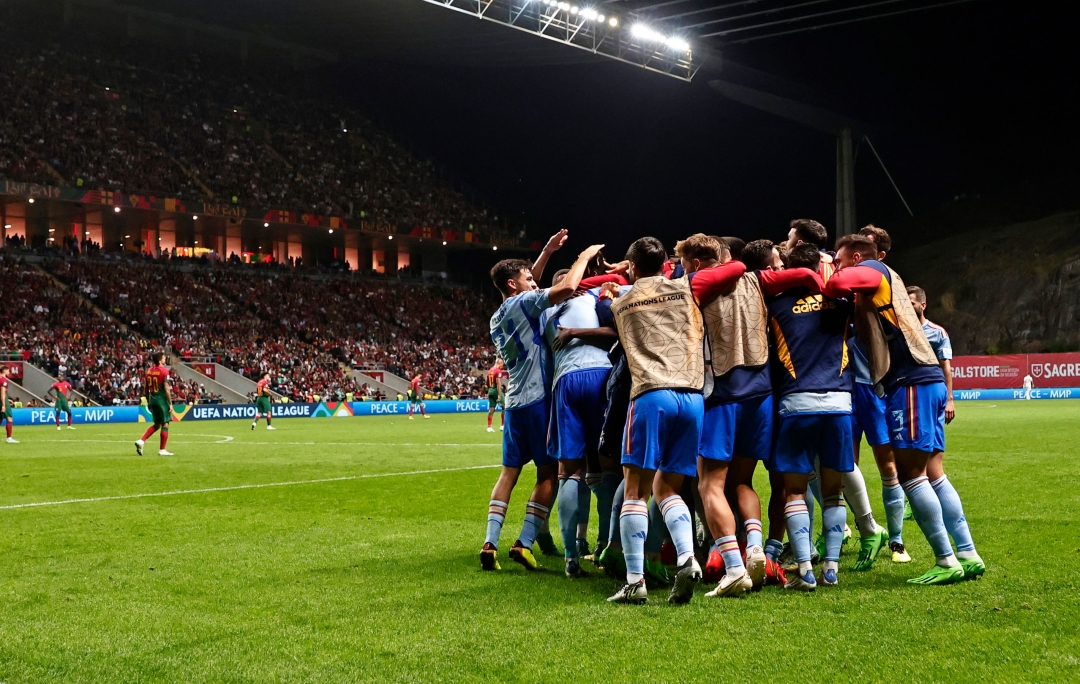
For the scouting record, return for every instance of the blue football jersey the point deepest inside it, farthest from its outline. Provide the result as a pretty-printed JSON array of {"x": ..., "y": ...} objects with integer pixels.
[
  {"x": 939, "y": 340},
  {"x": 576, "y": 312},
  {"x": 518, "y": 336}
]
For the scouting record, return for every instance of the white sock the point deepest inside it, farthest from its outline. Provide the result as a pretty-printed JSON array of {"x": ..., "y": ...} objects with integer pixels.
[
  {"x": 967, "y": 555},
  {"x": 854, "y": 485}
]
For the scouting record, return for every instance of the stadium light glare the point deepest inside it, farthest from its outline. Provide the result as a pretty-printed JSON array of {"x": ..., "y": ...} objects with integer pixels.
[
  {"x": 116, "y": 210},
  {"x": 87, "y": 232},
  {"x": 194, "y": 218},
  {"x": 331, "y": 231},
  {"x": 7, "y": 225},
  {"x": 444, "y": 243},
  {"x": 613, "y": 22},
  {"x": 677, "y": 44},
  {"x": 31, "y": 200},
  {"x": 266, "y": 225},
  {"x": 495, "y": 248},
  {"x": 52, "y": 230},
  {"x": 573, "y": 9},
  {"x": 391, "y": 237},
  {"x": 126, "y": 237},
  {"x": 600, "y": 17}
]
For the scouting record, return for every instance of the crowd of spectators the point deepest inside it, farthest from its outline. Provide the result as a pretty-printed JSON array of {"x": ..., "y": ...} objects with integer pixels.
[{"x": 163, "y": 121}]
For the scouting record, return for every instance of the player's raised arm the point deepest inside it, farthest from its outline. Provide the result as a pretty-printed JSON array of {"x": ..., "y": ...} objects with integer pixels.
[
  {"x": 554, "y": 243},
  {"x": 566, "y": 287},
  {"x": 775, "y": 282},
  {"x": 708, "y": 283},
  {"x": 851, "y": 280}
]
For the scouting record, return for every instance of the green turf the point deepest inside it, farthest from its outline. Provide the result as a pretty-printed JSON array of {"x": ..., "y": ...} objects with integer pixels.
[{"x": 376, "y": 578}]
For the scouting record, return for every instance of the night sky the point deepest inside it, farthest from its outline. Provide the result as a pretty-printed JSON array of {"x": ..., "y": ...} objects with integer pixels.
[{"x": 972, "y": 101}]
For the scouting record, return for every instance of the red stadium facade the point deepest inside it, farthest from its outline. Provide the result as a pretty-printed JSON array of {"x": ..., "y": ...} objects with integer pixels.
[{"x": 1008, "y": 371}]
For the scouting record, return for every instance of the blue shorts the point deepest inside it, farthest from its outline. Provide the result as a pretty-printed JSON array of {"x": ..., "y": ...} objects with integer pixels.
[
  {"x": 738, "y": 428},
  {"x": 868, "y": 416},
  {"x": 917, "y": 417},
  {"x": 663, "y": 429},
  {"x": 577, "y": 413},
  {"x": 525, "y": 436},
  {"x": 806, "y": 437}
]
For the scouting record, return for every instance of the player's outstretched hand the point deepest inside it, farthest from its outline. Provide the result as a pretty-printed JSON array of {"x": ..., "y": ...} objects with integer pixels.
[
  {"x": 556, "y": 241},
  {"x": 610, "y": 290},
  {"x": 619, "y": 268},
  {"x": 590, "y": 252}
]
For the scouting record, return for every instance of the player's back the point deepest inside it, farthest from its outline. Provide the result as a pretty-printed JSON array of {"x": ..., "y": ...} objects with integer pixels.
[
  {"x": 518, "y": 336},
  {"x": 576, "y": 312},
  {"x": 809, "y": 335},
  {"x": 156, "y": 378}
]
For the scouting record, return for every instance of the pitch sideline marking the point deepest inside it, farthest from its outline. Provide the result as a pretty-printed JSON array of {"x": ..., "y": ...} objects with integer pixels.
[
  {"x": 345, "y": 478},
  {"x": 231, "y": 440}
]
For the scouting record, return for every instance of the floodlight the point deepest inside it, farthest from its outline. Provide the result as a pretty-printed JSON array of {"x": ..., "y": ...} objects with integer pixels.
[
  {"x": 31, "y": 200},
  {"x": 116, "y": 209},
  {"x": 613, "y": 22}
]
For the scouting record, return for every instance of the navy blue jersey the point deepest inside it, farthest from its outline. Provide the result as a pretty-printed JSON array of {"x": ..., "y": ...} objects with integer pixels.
[{"x": 809, "y": 335}]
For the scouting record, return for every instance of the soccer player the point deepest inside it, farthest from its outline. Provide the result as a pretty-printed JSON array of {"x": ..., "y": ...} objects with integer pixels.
[
  {"x": 951, "y": 508},
  {"x": 416, "y": 398},
  {"x": 813, "y": 388},
  {"x": 494, "y": 385},
  {"x": 905, "y": 368},
  {"x": 661, "y": 330},
  {"x": 579, "y": 393},
  {"x": 1029, "y": 384},
  {"x": 738, "y": 421},
  {"x": 515, "y": 330},
  {"x": 262, "y": 402},
  {"x": 5, "y": 403},
  {"x": 61, "y": 388},
  {"x": 159, "y": 401}
]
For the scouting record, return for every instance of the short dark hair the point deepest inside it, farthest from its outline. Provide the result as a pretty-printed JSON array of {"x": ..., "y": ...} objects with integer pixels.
[
  {"x": 560, "y": 272},
  {"x": 804, "y": 255},
  {"x": 735, "y": 245},
  {"x": 647, "y": 254},
  {"x": 157, "y": 356},
  {"x": 725, "y": 251},
  {"x": 757, "y": 255},
  {"x": 920, "y": 294},
  {"x": 859, "y": 244},
  {"x": 5, "y": 369},
  {"x": 506, "y": 270},
  {"x": 809, "y": 230},
  {"x": 879, "y": 236},
  {"x": 596, "y": 266}
]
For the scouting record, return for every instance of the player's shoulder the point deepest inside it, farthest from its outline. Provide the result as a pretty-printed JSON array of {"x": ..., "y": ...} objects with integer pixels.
[{"x": 930, "y": 325}]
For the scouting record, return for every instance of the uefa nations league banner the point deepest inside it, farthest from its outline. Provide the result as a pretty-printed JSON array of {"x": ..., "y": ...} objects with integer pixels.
[
  {"x": 1008, "y": 370},
  {"x": 185, "y": 413}
]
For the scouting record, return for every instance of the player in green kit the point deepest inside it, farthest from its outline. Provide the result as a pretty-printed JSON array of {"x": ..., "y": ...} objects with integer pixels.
[
  {"x": 5, "y": 403},
  {"x": 61, "y": 388},
  {"x": 159, "y": 401},
  {"x": 262, "y": 402}
]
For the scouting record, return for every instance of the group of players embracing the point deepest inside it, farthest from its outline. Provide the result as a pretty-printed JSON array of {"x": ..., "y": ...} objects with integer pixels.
[{"x": 658, "y": 384}]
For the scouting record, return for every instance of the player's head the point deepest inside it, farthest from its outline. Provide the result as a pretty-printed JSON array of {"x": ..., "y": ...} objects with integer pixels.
[
  {"x": 597, "y": 266},
  {"x": 697, "y": 252},
  {"x": 5, "y": 370},
  {"x": 158, "y": 358},
  {"x": 735, "y": 245},
  {"x": 559, "y": 275},
  {"x": 59, "y": 377},
  {"x": 804, "y": 255},
  {"x": 725, "y": 252},
  {"x": 918, "y": 299},
  {"x": 761, "y": 255},
  {"x": 647, "y": 257},
  {"x": 513, "y": 276},
  {"x": 807, "y": 230},
  {"x": 881, "y": 239},
  {"x": 852, "y": 250},
  {"x": 266, "y": 376},
  {"x": 499, "y": 363}
]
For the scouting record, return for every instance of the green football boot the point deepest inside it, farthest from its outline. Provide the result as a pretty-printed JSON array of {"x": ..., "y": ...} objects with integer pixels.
[
  {"x": 973, "y": 567},
  {"x": 908, "y": 515},
  {"x": 613, "y": 562},
  {"x": 869, "y": 548},
  {"x": 819, "y": 549},
  {"x": 939, "y": 575},
  {"x": 657, "y": 571}
]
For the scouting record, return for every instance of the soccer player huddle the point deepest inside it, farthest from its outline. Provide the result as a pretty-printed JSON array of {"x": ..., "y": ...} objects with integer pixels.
[{"x": 657, "y": 385}]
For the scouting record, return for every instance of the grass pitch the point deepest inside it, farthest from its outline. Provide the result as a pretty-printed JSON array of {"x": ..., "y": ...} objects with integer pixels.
[{"x": 360, "y": 564}]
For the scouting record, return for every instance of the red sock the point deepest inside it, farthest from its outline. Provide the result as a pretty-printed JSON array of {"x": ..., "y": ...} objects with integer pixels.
[
  {"x": 489, "y": 420},
  {"x": 422, "y": 412},
  {"x": 69, "y": 420},
  {"x": 57, "y": 420},
  {"x": 503, "y": 423},
  {"x": 410, "y": 409},
  {"x": 267, "y": 420},
  {"x": 164, "y": 437},
  {"x": 149, "y": 431},
  {"x": 9, "y": 429}
]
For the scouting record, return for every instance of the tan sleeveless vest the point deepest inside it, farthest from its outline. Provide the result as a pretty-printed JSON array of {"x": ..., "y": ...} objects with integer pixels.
[
  {"x": 737, "y": 327},
  {"x": 893, "y": 306},
  {"x": 661, "y": 330}
]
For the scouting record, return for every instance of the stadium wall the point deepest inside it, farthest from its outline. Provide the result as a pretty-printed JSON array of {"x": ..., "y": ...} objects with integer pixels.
[
  {"x": 198, "y": 412},
  {"x": 1007, "y": 371}
]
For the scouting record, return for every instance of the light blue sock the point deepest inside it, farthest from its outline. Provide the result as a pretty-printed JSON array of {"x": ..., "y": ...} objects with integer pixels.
[
  {"x": 773, "y": 549},
  {"x": 535, "y": 516},
  {"x": 753, "y": 532},
  {"x": 496, "y": 516},
  {"x": 798, "y": 529},
  {"x": 729, "y": 550},
  {"x": 604, "y": 491},
  {"x": 952, "y": 513},
  {"x": 892, "y": 495},
  {"x": 927, "y": 510},
  {"x": 634, "y": 523},
  {"x": 680, "y": 526},
  {"x": 568, "y": 513},
  {"x": 655, "y": 540},
  {"x": 614, "y": 534},
  {"x": 834, "y": 516}
]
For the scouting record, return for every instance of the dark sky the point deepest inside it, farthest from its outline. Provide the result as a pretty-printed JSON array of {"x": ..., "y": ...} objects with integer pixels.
[{"x": 976, "y": 100}]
